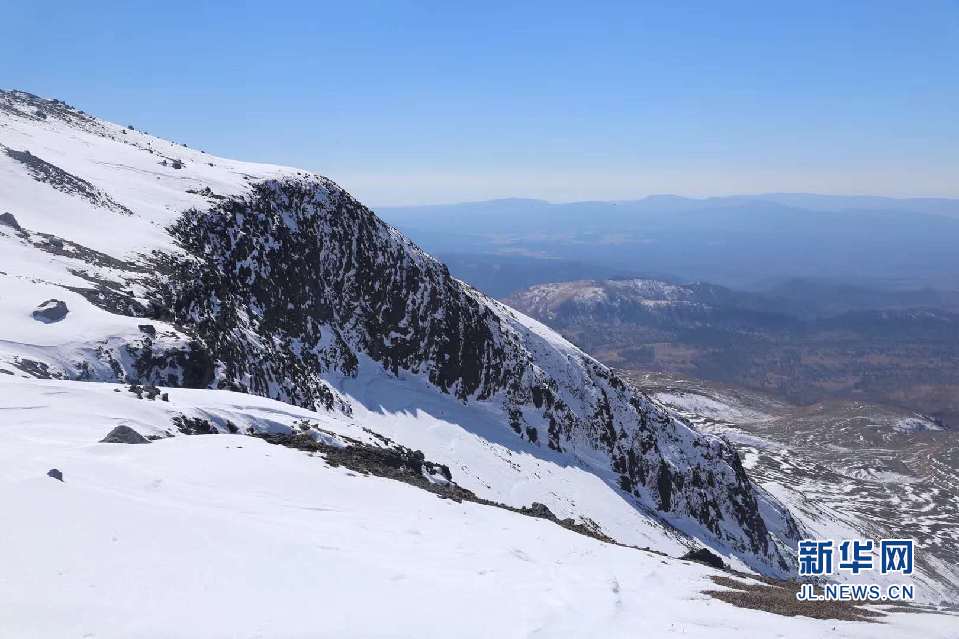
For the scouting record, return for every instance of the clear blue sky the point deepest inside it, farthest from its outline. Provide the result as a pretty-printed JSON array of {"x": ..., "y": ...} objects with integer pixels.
[{"x": 410, "y": 102}]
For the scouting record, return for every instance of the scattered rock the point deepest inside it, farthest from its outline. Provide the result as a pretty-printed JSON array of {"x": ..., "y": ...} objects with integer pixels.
[
  {"x": 148, "y": 391},
  {"x": 705, "y": 556},
  {"x": 51, "y": 311},
  {"x": 124, "y": 435},
  {"x": 148, "y": 329},
  {"x": 55, "y": 473},
  {"x": 40, "y": 370},
  {"x": 194, "y": 425}
]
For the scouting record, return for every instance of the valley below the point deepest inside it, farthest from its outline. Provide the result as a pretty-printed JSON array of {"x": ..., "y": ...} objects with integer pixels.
[{"x": 848, "y": 469}]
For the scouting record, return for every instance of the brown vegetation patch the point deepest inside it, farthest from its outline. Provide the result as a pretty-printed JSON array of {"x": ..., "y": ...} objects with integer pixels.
[{"x": 779, "y": 597}]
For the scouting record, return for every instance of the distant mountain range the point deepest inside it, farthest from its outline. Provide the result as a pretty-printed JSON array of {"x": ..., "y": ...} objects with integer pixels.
[{"x": 750, "y": 241}]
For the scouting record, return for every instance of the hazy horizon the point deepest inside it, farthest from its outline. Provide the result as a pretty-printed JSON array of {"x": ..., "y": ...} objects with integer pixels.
[{"x": 665, "y": 195}]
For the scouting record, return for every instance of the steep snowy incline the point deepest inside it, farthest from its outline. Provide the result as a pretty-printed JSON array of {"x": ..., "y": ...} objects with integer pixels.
[{"x": 183, "y": 269}]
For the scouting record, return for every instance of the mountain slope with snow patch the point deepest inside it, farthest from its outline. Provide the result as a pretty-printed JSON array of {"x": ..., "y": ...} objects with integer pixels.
[{"x": 228, "y": 536}]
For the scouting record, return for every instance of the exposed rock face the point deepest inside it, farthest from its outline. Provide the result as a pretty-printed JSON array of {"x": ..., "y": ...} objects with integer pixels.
[
  {"x": 124, "y": 435},
  {"x": 292, "y": 286},
  {"x": 55, "y": 473},
  {"x": 323, "y": 270},
  {"x": 51, "y": 311}
]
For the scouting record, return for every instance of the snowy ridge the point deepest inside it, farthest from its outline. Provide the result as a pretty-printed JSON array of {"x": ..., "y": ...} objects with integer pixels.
[{"x": 184, "y": 269}]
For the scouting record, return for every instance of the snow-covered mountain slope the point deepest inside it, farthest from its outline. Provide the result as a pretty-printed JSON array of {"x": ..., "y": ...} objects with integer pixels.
[
  {"x": 230, "y": 536},
  {"x": 183, "y": 269}
]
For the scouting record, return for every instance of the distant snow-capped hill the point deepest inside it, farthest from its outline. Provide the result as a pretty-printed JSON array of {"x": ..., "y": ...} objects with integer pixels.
[
  {"x": 642, "y": 300},
  {"x": 151, "y": 262}
]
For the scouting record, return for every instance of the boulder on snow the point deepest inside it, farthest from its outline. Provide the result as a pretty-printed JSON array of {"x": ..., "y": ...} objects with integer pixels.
[
  {"x": 51, "y": 311},
  {"x": 55, "y": 473},
  {"x": 7, "y": 219},
  {"x": 124, "y": 435},
  {"x": 705, "y": 556}
]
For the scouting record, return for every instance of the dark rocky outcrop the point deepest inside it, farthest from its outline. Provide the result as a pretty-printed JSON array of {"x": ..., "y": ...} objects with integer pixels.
[
  {"x": 55, "y": 473},
  {"x": 147, "y": 391},
  {"x": 537, "y": 509},
  {"x": 706, "y": 557}
]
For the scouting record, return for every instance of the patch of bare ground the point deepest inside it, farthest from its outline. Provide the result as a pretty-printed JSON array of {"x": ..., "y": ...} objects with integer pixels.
[{"x": 779, "y": 597}]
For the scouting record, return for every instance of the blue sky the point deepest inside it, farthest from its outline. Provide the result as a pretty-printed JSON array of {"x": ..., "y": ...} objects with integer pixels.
[{"x": 417, "y": 102}]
